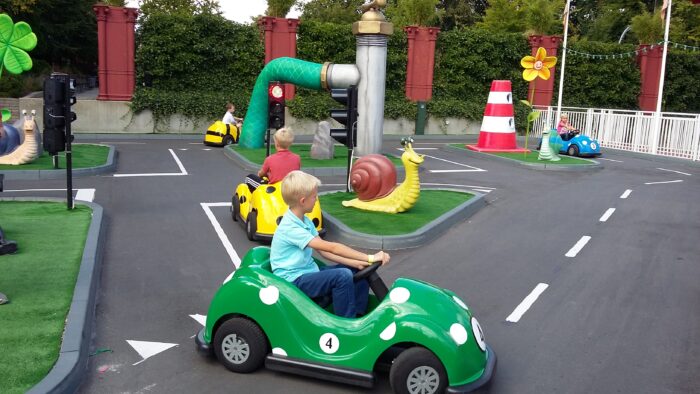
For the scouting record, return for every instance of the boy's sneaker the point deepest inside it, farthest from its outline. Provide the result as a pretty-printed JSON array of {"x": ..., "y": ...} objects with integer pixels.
[
  {"x": 3, "y": 299},
  {"x": 8, "y": 247}
]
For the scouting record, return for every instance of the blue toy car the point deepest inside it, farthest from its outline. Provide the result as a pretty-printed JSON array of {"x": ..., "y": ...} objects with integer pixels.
[{"x": 577, "y": 145}]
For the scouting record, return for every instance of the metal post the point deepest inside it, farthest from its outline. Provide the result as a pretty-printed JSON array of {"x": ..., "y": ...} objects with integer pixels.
[
  {"x": 420, "y": 118},
  {"x": 656, "y": 131},
  {"x": 69, "y": 138},
  {"x": 563, "y": 61}
]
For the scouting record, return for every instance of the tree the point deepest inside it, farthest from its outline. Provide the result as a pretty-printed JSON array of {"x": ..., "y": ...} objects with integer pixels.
[
  {"x": 178, "y": 7},
  {"x": 279, "y": 8},
  {"x": 413, "y": 13},
  {"x": 334, "y": 11},
  {"x": 542, "y": 17},
  {"x": 504, "y": 16},
  {"x": 648, "y": 27},
  {"x": 454, "y": 14}
]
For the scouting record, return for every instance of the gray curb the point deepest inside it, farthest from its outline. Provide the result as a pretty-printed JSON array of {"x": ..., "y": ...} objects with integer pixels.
[
  {"x": 430, "y": 231},
  {"x": 535, "y": 166},
  {"x": 68, "y": 372},
  {"x": 60, "y": 173}
]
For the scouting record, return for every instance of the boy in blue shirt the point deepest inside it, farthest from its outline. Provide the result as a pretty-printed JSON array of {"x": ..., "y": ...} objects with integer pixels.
[{"x": 294, "y": 241}]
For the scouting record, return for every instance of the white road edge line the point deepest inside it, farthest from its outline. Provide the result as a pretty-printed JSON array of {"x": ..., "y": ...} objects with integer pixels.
[
  {"x": 439, "y": 171},
  {"x": 85, "y": 195},
  {"x": 626, "y": 193},
  {"x": 183, "y": 171},
  {"x": 603, "y": 158},
  {"x": 579, "y": 245},
  {"x": 659, "y": 183},
  {"x": 474, "y": 169},
  {"x": 477, "y": 188},
  {"x": 607, "y": 214},
  {"x": 220, "y": 231},
  {"x": 527, "y": 303},
  {"x": 677, "y": 172}
]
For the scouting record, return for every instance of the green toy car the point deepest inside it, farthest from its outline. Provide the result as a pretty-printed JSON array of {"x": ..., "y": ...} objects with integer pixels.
[{"x": 425, "y": 336}]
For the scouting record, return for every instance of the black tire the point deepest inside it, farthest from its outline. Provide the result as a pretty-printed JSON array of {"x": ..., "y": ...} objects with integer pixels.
[
  {"x": 417, "y": 370},
  {"x": 235, "y": 207},
  {"x": 241, "y": 345},
  {"x": 251, "y": 225},
  {"x": 573, "y": 150},
  {"x": 228, "y": 139}
]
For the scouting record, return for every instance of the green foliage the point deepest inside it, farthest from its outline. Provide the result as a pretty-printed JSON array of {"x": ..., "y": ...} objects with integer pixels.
[
  {"x": 682, "y": 85},
  {"x": 504, "y": 16},
  {"x": 148, "y": 8},
  {"x": 279, "y": 8},
  {"x": 413, "y": 13},
  {"x": 648, "y": 27},
  {"x": 333, "y": 11},
  {"x": 542, "y": 17},
  {"x": 685, "y": 22},
  {"x": 455, "y": 14}
]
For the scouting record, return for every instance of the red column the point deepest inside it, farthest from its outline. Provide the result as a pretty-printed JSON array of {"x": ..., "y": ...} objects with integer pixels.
[
  {"x": 649, "y": 61},
  {"x": 280, "y": 41},
  {"x": 115, "y": 37},
  {"x": 421, "y": 62},
  {"x": 544, "y": 89}
]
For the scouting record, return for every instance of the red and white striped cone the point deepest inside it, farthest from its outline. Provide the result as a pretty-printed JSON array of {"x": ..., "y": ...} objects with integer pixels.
[{"x": 498, "y": 127}]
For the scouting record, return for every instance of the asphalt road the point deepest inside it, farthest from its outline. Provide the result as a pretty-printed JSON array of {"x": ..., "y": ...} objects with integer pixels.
[{"x": 619, "y": 315}]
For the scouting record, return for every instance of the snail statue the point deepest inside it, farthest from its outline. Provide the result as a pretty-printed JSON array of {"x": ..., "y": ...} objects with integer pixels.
[
  {"x": 546, "y": 151},
  {"x": 29, "y": 149},
  {"x": 373, "y": 178}
]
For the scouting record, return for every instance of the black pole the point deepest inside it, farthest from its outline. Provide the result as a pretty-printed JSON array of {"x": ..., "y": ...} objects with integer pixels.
[
  {"x": 268, "y": 143},
  {"x": 55, "y": 160},
  {"x": 347, "y": 178},
  {"x": 69, "y": 137}
]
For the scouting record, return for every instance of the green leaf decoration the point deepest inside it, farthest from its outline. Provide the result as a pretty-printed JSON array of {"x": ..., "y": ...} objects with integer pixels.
[
  {"x": 526, "y": 103},
  {"x": 15, "y": 40},
  {"x": 532, "y": 116},
  {"x": 6, "y": 114}
]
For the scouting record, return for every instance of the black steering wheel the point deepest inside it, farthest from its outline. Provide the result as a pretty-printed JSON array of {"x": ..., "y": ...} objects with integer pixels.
[{"x": 366, "y": 272}]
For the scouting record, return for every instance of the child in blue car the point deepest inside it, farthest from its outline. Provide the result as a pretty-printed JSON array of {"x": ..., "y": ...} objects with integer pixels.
[{"x": 295, "y": 239}]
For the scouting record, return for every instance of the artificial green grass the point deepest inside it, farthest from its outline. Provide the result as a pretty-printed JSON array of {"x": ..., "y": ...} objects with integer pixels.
[
  {"x": 340, "y": 158},
  {"x": 84, "y": 156},
  {"x": 39, "y": 280},
  {"x": 430, "y": 205},
  {"x": 531, "y": 157}
]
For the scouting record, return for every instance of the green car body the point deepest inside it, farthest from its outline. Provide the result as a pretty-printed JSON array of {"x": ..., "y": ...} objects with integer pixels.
[{"x": 413, "y": 314}]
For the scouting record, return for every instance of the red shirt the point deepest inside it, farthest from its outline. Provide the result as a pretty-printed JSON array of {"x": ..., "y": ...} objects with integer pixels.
[{"x": 278, "y": 165}]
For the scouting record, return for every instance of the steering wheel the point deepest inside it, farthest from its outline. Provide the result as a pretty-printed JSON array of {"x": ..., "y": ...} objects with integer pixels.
[{"x": 366, "y": 272}]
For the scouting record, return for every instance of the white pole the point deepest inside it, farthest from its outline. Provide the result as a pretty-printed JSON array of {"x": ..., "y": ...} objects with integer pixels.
[
  {"x": 563, "y": 61},
  {"x": 657, "y": 116}
]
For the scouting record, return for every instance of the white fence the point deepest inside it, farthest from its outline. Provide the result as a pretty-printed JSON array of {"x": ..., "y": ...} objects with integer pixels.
[{"x": 679, "y": 134}]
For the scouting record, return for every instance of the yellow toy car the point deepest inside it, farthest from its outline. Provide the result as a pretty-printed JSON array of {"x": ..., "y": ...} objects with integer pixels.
[
  {"x": 262, "y": 209},
  {"x": 221, "y": 134}
]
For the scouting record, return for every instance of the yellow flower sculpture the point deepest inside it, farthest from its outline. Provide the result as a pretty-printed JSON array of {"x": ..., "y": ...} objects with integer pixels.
[{"x": 538, "y": 65}]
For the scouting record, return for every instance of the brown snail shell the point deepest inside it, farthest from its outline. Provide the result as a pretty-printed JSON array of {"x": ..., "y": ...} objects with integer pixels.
[{"x": 372, "y": 177}]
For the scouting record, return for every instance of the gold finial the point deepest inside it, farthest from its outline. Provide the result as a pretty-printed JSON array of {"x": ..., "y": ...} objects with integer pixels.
[
  {"x": 373, "y": 20},
  {"x": 371, "y": 12}
]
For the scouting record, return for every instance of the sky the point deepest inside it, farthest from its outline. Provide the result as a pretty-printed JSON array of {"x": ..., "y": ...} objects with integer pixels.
[{"x": 238, "y": 10}]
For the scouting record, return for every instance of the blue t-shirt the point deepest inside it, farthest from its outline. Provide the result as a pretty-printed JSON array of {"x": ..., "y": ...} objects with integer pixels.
[{"x": 290, "y": 255}]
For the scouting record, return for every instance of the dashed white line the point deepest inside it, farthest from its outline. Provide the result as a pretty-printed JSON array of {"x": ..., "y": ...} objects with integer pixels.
[
  {"x": 527, "y": 303},
  {"x": 579, "y": 245},
  {"x": 607, "y": 214},
  {"x": 677, "y": 172},
  {"x": 220, "y": 231},
  {"x": 626, "y": 193},
  {"x": 616, "y": 161},
  {"x": 659, "y": 183},
  {"x": 183, "y": 171}
]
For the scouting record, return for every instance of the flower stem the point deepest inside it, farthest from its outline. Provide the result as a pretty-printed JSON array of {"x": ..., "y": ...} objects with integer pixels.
[{"x": 532, "y": 108}]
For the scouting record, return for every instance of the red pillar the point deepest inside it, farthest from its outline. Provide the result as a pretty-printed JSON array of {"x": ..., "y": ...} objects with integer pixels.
[
  {"x": 544, "y": 89},
  {"x": 649, "y": 61},
  {"x": 421, "y": 62},
  {"x": 280, "y": 41},
  {"x": 115, "y": 37}
]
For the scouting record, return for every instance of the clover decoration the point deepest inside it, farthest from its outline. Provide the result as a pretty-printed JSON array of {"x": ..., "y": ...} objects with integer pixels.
[
  {"x": 535, "y": 67},
  {"x": 15, "y": 40}
]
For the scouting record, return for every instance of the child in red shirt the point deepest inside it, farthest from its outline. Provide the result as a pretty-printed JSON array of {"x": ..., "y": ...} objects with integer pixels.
[{"x": 278, "y": 165}]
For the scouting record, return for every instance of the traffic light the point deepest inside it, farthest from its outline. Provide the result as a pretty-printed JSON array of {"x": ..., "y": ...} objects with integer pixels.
[
  {"x": 59, "y": 96},
  {"x": 275, "y": 100},
  {"x": 345, "y": 116}
]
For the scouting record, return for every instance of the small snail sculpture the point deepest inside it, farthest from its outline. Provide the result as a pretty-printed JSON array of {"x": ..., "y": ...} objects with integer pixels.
[{"x": 373, "y": 178}]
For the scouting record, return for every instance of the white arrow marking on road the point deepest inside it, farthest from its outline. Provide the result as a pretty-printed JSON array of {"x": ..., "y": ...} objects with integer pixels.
[
  {"x": 626, "y": 193},
  {"x": 147, "y": 349},
  {"x": 85, "y": 195},
  {"x": 201, "y": 319},
  {"x": 527, "y": 303},
  {"x": 677, "y": 172},
  {"x": 658, "y": 183},
  {"x": 607, "y": 214},
  {"x": 183, "y": 171},
  {"x": 220, "y": 231},
  {"x": 579, "y": 245}
]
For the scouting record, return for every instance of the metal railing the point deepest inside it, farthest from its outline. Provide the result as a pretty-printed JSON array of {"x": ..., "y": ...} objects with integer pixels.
[{"x": 679, "y": 134}]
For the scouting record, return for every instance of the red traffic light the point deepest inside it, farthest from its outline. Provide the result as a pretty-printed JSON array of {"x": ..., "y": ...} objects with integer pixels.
[{"x": 276, "y": 91}]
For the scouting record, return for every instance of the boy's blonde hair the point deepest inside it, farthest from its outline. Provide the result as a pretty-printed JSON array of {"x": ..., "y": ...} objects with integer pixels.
[
  {"x": 298, "y": 184},
  {"x": 564, "y": 115},
  {"x": 284, "y": 137}
]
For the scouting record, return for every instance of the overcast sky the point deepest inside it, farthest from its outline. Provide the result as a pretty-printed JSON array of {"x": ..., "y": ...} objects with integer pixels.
[{"x": 238, "y": 10}]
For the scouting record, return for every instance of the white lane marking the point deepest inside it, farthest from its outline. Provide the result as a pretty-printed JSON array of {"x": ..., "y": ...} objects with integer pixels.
[
  {"x": 85, "y": 195},
  {"x": 195, "y": 143},
  {"x": 183, "y": 148},
  {"x": 201, "y": 319},
  {"x": 677, "y": 172},
  {"x": 659, "y": 183},
  {"x": 483, "y": 189},
  {"x": 220, "y": 231},
  {"x": 579, "y": 245},
  {"x": 414, "y": 148},
  {"x": 121, "y": 143},
  {"x": 474, "y": 169},
  {"x": 607, "y": 214},
  {"x": 602, "y": 158},
  {"x": 439, "y": 171},
  {"x": 626, "y": 193},
  {"x": 527, "y": 303},
  {"x": 183, "y": 171},
  {"x": 147, "y": 349},
  {"x": 206, "y": 148}
]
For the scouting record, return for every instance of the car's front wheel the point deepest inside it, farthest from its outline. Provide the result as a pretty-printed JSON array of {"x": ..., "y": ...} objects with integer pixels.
[
  {"x": 228, "y": 140},
  {"x": 573, "y": 150},
  {"x": 251, "y": 226},
  {"x": 417, "y": 370},
  {"x": 235, "y": 207},
  {"x": 240, "y": 345}
]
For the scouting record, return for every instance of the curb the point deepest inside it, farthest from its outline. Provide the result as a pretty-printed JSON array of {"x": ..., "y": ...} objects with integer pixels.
[
  {"x": 423, "y": 235},
  {"x": 60, "y": 173},
  {"x": 68, "y": 372},
  {"x": 594, "y": 165}
]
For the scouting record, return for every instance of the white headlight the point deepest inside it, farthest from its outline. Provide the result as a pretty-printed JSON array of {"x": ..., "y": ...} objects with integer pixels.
[
  {"x": 593, "y": 146},
  {"x": 478, "y": 334}
]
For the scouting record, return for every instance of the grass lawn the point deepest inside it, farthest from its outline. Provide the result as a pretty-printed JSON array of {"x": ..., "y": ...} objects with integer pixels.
[
  {"x": 531, "y": 157},
  {"x": 39, "y": 280},
  {"x": 430, "y": 205},
  {"x": 340, "y": 158},
  {"x": 84, "y": 156}
]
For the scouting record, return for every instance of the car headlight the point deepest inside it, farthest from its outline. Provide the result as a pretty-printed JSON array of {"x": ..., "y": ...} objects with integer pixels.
[
  {"x": 478, "y": 334},
  {"x": 584, "y": 142},
  {"x": 593, "y": 145},
  {"x": 460, "y": 303}
]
